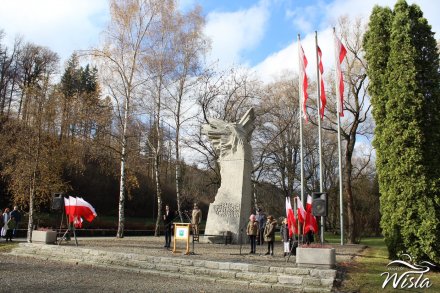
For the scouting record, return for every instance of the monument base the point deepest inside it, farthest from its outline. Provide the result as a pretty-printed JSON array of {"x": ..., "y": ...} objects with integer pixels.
[{"x": 316, "y": 257}]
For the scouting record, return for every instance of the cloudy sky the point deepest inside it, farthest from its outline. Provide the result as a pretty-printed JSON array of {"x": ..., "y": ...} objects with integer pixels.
[{"x": 257, "y": 34}]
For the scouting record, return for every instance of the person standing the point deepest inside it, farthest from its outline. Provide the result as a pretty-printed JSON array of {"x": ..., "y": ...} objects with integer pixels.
[
  {"x": 251, "y": 231},
  {"x": 168, "y": 218},
  {"x": 17, "y": 217},
  {"x": 284, "y": 231},
  {"x": 269, "y": 234},
  {"x": 9, "y": 227},
  {"x": 196, "y": 219},
  {"x": 5, "y": 218},
  {"x": 261, "y": 220}
]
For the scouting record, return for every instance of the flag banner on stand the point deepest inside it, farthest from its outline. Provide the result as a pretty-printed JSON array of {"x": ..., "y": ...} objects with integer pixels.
[
  {"x": 291, "y": 221},
  {"x": 78, "y": 209},
  {"x": 310, "y": 223},
  {"x": 305, "y": 216},
  {"x": 300, "y": 210}
]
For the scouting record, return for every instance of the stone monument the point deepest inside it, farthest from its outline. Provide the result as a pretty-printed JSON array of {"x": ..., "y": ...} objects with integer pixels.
[{"x": 232, "y": 205}]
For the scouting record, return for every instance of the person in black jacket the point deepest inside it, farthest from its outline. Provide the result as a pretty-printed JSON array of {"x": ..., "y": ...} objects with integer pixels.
[
  {"x": 168, "y": 218},
  {"x": 17, "y": 216}
]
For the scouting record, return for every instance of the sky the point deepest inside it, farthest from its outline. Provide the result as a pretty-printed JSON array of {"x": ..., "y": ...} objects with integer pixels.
[{"x": 260, "y": 35}]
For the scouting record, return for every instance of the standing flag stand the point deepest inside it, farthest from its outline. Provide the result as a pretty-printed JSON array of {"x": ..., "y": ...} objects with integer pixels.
[
  {"x": 76, "y": 209},
  {"x": 340, "y": 53}
]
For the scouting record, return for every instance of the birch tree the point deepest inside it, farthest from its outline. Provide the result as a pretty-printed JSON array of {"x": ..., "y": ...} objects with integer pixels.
[
  {"x": 190, "y": 46},
  {"x": 122, "y": 55}
]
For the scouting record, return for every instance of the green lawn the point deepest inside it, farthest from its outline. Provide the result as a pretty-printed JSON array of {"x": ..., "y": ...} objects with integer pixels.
[{"x": 364, "y": 273}]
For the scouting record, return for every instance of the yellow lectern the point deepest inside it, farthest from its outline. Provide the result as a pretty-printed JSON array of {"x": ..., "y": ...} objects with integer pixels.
[{"x": 181, "y": 232}]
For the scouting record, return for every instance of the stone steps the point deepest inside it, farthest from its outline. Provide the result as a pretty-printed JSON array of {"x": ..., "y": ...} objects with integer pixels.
[{"x": 289, "y": 279}]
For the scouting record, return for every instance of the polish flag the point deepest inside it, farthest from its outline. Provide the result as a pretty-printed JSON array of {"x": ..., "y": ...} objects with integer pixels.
[
  {"x": 309, "y": 204},
  {"x": 340, "y": 53},
  {"x": 77, "y": 209},
  {"x": 301, "y": 211},
  {"x": 321, "y": 82},
  {"x": 310, "y": 223},
  {"x": 291, "y": 222},
  {"x": 70, "y": 206},
  {"x": 303, "y": 79},
  {"x": 85, "y": 210}
]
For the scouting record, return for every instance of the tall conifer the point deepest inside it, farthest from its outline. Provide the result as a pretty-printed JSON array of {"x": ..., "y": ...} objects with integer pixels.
[{"x": 403, "y": 67}]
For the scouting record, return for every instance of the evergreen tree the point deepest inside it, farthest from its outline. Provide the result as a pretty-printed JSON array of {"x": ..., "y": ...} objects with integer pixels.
[{"x": 403, "y": 67}]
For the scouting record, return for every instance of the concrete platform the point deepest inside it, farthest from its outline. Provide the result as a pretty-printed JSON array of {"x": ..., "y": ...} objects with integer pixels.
[{"x": 210, "y": 262}]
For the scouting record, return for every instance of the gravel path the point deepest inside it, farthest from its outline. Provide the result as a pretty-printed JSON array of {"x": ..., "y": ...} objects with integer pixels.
[{"x": 22, "y": 274}]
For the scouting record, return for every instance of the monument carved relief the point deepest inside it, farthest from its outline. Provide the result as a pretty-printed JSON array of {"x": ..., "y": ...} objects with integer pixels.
[{"x": 232, "y": 205}]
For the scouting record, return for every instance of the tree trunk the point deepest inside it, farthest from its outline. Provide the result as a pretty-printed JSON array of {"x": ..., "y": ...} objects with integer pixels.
[
  {"x": 31, "y": 207},
  {"x": 179, "y": 208},
  {"x": 121, "y": 221},
  {"x": 156, "y": 167},
  {"x": 158, "y": 191},
  {"x": 351, "y": 221}
]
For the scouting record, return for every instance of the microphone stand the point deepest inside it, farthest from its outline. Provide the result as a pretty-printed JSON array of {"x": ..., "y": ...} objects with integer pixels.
[{"x": 240, "y": 240}]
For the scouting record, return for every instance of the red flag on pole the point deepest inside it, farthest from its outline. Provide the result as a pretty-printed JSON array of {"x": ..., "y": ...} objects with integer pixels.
[
  {"x": 303, "y": 79},
  {"x": 340, "y": 53},
  {"x": 321, "y": 82}
]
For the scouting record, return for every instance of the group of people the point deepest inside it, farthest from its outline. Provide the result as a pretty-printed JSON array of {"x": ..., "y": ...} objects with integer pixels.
[
  {"x": 9, "y": 223},
  {"x": 260, "y": 229},
  {"x": 168, "y": 218}
]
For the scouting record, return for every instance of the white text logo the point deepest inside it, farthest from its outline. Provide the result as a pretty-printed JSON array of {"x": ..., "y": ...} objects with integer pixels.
[{"x": 413, "y": 278}]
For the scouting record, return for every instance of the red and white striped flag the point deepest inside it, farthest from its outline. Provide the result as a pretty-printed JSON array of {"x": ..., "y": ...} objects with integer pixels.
[
  {"x": 310, "y": 223},
  {"x": 300, "y": 210},
  {"x": 77, "y": 209},
  {"x": 340, "y": 53},
  {"x": 291, "y": 222},
  {"x": 309, "y": 204},
  {"x": 321, "y": 82},
  {"x": 303, "y": 79}
]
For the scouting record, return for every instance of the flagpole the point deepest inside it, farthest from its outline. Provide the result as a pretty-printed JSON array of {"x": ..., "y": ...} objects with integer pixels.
[
  {"x": 338, "y": 99},
  {"x": 301, "y": 99},
  {"x": 318, "y": 102}
]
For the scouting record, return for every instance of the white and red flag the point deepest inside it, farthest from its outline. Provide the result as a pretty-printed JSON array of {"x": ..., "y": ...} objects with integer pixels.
[
  {"x": 77, "y": 209},
  {"x": 291, "y": 222},
  {"x": 303, "y": 83},
  {"x": 300, "y": 210},
  {"x": 305, "y": 216},
  {"x": 310, "y": 222},
  {"x": 340, "y": 53},
  {"x": 321, "y": 82},
  {"x": 309, "y": 204}
]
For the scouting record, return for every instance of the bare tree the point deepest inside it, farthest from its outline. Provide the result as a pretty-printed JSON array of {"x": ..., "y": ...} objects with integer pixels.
[
  {"x": 189, "y": 46},
  {"x": 122, "y": 55},
  {"x": 357, "y": 121}
]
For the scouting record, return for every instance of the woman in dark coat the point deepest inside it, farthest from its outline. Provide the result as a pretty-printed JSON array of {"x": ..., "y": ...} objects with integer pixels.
[{"x": 269, "y": 234}]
